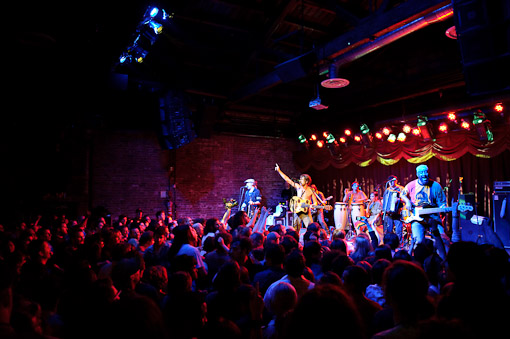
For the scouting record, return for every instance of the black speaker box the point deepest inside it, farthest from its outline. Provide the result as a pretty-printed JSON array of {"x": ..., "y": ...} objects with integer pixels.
[
  {"x": 501, "y": 216},
  {"x": 483, "y": 34},
  {"x": 480, "y": 234}
]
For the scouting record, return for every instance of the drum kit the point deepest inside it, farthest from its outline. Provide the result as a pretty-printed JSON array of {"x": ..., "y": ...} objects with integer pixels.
[{"x": 342, "y": 217}]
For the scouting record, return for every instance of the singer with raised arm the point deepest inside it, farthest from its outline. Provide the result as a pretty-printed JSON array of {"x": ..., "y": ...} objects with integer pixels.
[
  {"x": 252, "y": 198},
  {"x": 302, "y": 212}
]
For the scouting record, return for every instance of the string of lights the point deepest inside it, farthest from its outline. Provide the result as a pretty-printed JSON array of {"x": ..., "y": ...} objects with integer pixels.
[{"x": 425, "y": 127}]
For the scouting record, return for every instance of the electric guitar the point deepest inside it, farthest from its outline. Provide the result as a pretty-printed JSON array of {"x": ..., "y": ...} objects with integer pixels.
[
  {"x": 297, "y": 205},
  {"x": 419, "y": 211}
]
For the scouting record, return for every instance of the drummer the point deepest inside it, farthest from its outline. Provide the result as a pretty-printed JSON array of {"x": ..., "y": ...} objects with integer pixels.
[{"x": 355, "y": 196}]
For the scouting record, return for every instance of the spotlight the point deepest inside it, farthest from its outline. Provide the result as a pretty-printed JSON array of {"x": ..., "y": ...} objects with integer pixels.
[
  {"x": 330, "y": 138},
  {"x": 443, "y": 127},
  {"x": 302, "y": 138},
  {"x": 483, "y": 127},
  {"x": 313, "y": 137},
  {"x": 499, "y": 107},
  {"x": 357, "y": 138},
  {"x": 342, "y": 140},
  {"x": 425, "y": 128},
  {"x": 401, "y": 137},
  {"x": 325, "y": 134},
  {"x": 320, "y": 143},
  {"x": 416, "y": 131},
  {"x": 392, "y": 137},
  {"x": 386, "y": 131},
  {"x": 366, "y": 135},
  {"x": 452, "y": 116},
  {"x": 348, "y": 132},
  {"x": 464, "y": 124},
  {"x": 406, "y": 129},
  {"x": 378, "y": 135}
]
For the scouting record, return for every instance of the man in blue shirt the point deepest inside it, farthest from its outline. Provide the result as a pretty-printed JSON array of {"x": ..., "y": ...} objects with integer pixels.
[
  {"x": 423, "y": 192},
  {"x": 252, "y": 198}
]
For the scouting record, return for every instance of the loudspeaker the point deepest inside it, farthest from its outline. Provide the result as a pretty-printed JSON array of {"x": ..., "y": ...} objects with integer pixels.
[
  {"x": 483, "y": 34},
  {"x": 501, "y": 215},
  {"x": 480, "y": 234}
]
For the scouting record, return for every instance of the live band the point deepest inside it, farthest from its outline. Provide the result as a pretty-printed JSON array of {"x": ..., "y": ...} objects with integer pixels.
[{"x": 410, "y": 211}]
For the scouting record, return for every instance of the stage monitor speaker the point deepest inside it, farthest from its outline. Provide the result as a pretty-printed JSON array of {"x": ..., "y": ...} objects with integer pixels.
[
  {"x": 482, "y": 29},
  {"x": 480, "y": 234},
  {"x": 468, "y": 199},
  {"x": 501, "y": 215}
]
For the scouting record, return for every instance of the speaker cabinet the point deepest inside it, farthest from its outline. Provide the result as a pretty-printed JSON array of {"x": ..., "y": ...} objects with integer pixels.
[
  {"x": 501, "y": 215},
  {"x": 483, "y": 28}
]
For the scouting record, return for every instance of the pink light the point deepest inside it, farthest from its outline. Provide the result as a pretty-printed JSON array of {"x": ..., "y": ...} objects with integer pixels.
[
  {"x": 443, "y": 127},
  {"x": 452, "y": 116}
]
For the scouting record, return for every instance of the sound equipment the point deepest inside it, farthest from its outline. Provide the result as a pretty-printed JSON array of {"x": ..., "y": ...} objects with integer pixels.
[
  {"x": 501, "y": 215},
  {"x": 480, "y": 233},
  {"x": 482, "y": 28},
  {"x": 502, "y": 186}
]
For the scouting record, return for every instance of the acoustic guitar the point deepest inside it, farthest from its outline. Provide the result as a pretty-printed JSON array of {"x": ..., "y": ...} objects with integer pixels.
[{"x": 297, "y": 205}]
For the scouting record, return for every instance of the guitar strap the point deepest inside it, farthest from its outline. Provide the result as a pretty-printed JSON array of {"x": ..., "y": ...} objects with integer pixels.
[{"x": 322, "y": 203}]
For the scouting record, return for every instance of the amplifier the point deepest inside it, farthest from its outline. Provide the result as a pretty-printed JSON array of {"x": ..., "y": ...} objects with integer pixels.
[{"x": 501, "y": 186}]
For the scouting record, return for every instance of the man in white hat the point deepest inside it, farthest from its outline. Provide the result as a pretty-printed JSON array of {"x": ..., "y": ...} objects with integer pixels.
[{"x": 252, "y": 197}]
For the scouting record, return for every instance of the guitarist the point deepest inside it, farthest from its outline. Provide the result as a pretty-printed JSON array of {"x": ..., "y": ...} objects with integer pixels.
[
  {"x": 304, "y": 191},
  {"x": 424, "y": 192},
  {"x": 318, "y": 213}
]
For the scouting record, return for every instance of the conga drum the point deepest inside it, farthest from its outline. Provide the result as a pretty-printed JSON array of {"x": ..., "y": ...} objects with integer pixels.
[
  {"x": 357, "y": 210},
  {"x": 340, "y": 215}
]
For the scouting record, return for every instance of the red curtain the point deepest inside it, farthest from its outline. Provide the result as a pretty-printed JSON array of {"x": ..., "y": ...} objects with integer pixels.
[{"x": 453, "y": 158}]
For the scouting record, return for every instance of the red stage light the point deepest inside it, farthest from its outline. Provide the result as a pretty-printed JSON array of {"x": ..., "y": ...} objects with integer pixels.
[
  {"x": 325, "y": 134},
  {"x": 443, "y": 127},
  {"x": 357, "y": 138},
  {"x": 452, "y": 116},
  {"x": 348, "y": 132},
  {"x": 378, "y": 135},
  {"x": 498, "y": 107},
  {"x": 465, "y": 125},
  {"x": 313, "y": 137},
  {"x": 386, "y": 131},
  {"x": 320, "y": 143},
  {"x": 406, "y": 129},
  {"x": 342, "y": 140},
  {"x": 416, "y": 131}
]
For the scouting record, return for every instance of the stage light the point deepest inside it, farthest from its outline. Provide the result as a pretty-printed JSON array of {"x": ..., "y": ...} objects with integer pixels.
[
  {"x": 386, "y": 131},
  {"x": 342, "y": 140},
  {"x": 401, "y": 137},
  {"x": 406, "y": 129},
  {"x": 325, "y": 134},
  {"x": 313, "y": 137},
  {"x": 156, "y": 27},
  {"x": 348, "y": 132},
  {"x": 357, "y": 138},
  {"x": 330, "y": 138},
  {"x": 452, "y": 116},
  {"x": 364, "y": 129},
  {"x": 392, "y": 137},
  {"x": 320, "y": 143},
  {"x": 499, "y": 107},
  {"x": 464, "y": 124},
  {"x": 302, "y": 138},
  {"x": 425, "y": 128},
  {"x": 416, "y": 131},
  {"x": 443, "y": 127},
  {"x": 483, "y": 127},
  {"x": 378, "y": 135}
]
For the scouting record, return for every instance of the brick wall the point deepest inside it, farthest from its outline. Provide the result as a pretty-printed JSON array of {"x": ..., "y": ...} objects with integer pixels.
[
  {"x": 128, "y": 170},
  {"x": 208, "y": 170}
]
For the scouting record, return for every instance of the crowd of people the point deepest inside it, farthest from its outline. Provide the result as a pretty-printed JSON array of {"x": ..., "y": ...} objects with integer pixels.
[{"x": 155, "y": 278}]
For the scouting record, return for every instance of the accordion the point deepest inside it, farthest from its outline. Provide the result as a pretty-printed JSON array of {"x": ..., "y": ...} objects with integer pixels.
[{"x": 391, "y": 203}]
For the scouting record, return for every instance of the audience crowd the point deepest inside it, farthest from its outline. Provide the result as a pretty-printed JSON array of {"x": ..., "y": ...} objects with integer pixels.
[{"x": 145, "y": 277}]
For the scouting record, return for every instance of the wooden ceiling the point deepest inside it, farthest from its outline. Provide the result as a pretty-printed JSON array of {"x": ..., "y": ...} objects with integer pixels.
[{"x": 253, "y": 66}]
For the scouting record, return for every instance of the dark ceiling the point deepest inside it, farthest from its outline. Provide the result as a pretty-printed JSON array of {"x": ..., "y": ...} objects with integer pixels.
[{"x": 242, "y": 66}]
